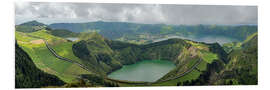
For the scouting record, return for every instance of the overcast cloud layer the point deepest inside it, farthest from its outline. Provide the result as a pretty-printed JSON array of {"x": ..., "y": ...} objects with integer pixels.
[{"x": 138, "y": 13}]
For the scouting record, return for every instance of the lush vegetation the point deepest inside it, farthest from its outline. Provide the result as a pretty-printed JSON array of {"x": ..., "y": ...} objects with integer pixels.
[
  {"x": 228, "y": 47},
  {"x": 147, "y": 33},
  {"x": 243, "y": 65},
  {"x": 184, "y": 53},
  {"x": 30, "y": 26},
  {"x": 33, "y": 44},
  {"x": 63, "y": 33},
  {"x": 207, "y": 64},
  {"x": 28, "y": 75}
]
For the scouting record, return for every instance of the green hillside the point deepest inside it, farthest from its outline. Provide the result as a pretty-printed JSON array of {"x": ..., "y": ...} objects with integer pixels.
[
  {"x": 228, "y": 47},
  {"x": 32, "y": 23},
  {"x": 97, "y": 51},
  {"x": 28, "y": 75},
  {"x": 197, "y": 54},
  {"x": 33, "y": 44},
  {"x": 243, "y": 65},
  {"x": 63, "y": 33},
  {"x": 30, "y": 26},
  {"x": 92, "y": 57}
]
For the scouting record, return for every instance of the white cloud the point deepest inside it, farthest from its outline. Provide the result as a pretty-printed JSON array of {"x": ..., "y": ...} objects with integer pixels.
[{"x": 139, "y": 13}]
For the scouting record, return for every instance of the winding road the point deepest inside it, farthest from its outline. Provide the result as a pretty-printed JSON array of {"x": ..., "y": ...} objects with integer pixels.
[
  {"x": 186, "y": 72},
  {"x": 63, "y": 58}
]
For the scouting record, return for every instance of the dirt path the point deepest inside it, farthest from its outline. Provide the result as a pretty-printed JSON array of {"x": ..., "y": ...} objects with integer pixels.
[{"x": 39, "y": 41}]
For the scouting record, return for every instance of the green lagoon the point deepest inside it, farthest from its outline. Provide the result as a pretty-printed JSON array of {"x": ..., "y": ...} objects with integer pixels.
[{"x": 146, "y": 70}]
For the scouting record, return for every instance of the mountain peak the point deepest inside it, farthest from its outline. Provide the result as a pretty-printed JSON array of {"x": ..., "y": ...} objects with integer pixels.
[
  {"x": 31, "y": 26},
  {"x": 33, "y": 23}
]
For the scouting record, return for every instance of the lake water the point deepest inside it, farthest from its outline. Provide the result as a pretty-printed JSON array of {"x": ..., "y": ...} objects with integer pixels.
[
  {"x": 146, "y": 70},
  {"x": 207, "y": 39},
  {"x": 72, "y": 38}
]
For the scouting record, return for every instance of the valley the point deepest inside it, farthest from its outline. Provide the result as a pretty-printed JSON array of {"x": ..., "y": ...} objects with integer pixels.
[{"x": 99, "y": 59}]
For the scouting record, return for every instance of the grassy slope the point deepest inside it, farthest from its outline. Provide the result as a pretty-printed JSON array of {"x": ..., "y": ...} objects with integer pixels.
[
  {"x": 65, "y": 50},
  {"x": 243, "y": 65},
  {"x": 189, "y": 55},
  {"x": 199, "y": 51},
  {"x": 188, "y": 77},
  {"x": 97, "y": 45},
  {"x": 228, "y": 47},
  {"x": 96, "y": 53},
  {"x": 167, "y": 50},
  {"x": 43, "y": 58},
  {"x": 28, "y": 75},
  {"x": 209, "y": 57}
]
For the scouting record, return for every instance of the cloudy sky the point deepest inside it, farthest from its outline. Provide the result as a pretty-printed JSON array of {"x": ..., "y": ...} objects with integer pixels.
[{"x": 138, "y": 13}]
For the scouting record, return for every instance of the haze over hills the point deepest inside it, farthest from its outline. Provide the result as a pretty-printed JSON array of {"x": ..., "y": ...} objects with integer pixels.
[
  {"x": 131, "y": 45},
  {"x": 146, "y": 33},
  {"x": 101, "y": 50}
]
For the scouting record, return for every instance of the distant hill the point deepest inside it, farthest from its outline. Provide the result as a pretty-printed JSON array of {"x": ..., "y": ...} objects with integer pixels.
[
  {"x": 63, "y": 33},
  {"x": 30, "y": 26},
  {"x": 197, "y": 63},
  {"x": 33, "y": 26},
  {"x": 28, "y": 75},
  {"x": 33, "y": 23},
  {"x": 135, "y": 32}
]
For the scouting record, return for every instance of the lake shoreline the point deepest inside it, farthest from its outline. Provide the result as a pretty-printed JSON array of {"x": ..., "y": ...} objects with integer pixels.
[{"x": 152, "y": 70}]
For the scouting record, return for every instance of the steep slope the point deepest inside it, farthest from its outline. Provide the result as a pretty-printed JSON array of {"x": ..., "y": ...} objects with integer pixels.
[
  {"x": 228, "y": 47},
  {"x": 95, "y": 53},
  {"x": 108, "y": 55},
  {"x": 33, "y": 44},
  {"x": 243, "y": 65},
  {"x": 28, "y": 75},
  {"x": 102, "y": 56},
  {"x": 194, "y": 62},
  {"x": 191, "y": 58}
]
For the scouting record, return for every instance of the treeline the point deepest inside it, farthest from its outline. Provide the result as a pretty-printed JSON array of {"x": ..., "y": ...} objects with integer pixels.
[{"x": 90, "y": 80}]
